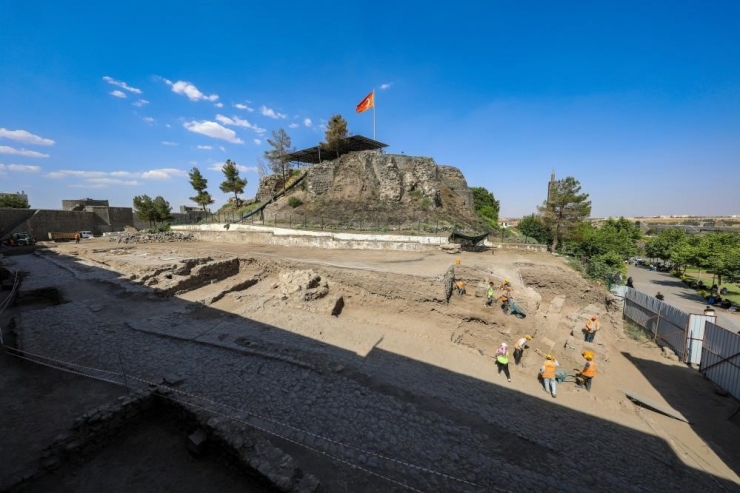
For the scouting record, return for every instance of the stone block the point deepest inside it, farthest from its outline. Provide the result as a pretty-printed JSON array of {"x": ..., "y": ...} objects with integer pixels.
[{"x": 197, "y": 442}]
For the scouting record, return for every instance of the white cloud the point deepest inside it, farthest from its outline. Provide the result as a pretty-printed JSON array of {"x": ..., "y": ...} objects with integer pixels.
[
  {"x": 25, "y": 137},
  {"x": 23, "y": 168},
  {"x": 293, "y": 125},
  {"x": 222, "y": 148},
  {"x": 241, "y": 168},
  {"x": 187, "y": 89},
  {"x": 100, "y": 179},
  {"x": 213, "y": 129},
  {"x": 163, "y": 174},
  {"x": 205, "y": 148},
  {"x": 121, "y": 84},
  {"x": 239, "y": 122},
  {"x": 242, "y": 106},
  {"x": 140, "y": 103},
  {"x": 219, "y": 105},
  {"x": 307, "y": 122},
  {"x": 112, "y": 181},
  {"x": 385, "y": 86},
  {"x": 167, "y": 143},
  {"x": 118, "y": 94},
  {"x": 21, "y": 152},
  {"x": 271, "y": 113},
  {"x": 148, "y": 119},
  {"x": 257, "y": 141}
]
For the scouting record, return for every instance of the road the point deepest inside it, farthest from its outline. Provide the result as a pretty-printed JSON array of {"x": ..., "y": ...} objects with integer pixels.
[{"x": 678, "y": 294}]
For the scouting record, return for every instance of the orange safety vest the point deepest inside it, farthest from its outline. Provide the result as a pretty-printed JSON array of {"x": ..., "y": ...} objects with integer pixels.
[
  {"x": 549, "y": 372},
  {"x": 590, "y": 371},
  {"x": 592, "y": 325}
]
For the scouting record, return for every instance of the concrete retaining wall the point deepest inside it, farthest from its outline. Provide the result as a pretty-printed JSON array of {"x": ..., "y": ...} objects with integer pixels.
[
  {"x": 265, "y": 235},
  {"x": 262, "y": 235}
]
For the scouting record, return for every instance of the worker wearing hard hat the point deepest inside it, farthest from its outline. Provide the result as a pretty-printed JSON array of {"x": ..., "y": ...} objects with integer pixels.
[
  {"x": 589, "y": 370},
  {"x": 592, "y": 326},
  {"x": 489, "y": 294},
  {"x": 506, "y": 284},
  {"x": 519, "y": 347},
  {"x": 502, "y": 360},
  {"x": 548, "y": 375}
]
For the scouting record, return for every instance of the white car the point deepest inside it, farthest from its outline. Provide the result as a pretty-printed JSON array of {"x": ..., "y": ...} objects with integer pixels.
[{"x": 86, "y": 234}]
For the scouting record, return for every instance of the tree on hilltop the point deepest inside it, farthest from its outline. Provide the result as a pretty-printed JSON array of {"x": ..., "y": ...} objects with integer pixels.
[
  {"x": 233, "y": 182},
  {"x": 200, "y": 184},
  {"x": 565, "y": 209},
  {"x": 278, "y": 155},
  {"x": 336, "y": 132}
]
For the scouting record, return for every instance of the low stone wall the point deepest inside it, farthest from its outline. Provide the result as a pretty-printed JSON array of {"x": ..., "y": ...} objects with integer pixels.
[
  {"x": 529, "y": 247},
  {"x": 240, "y": 446}
]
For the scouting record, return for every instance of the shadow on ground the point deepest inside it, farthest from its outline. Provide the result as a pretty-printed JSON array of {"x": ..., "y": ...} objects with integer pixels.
[{"x": 491, "y": 436}]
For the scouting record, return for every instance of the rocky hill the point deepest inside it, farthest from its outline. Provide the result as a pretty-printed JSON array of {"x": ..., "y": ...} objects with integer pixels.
[{"x": 369, "y": 186}]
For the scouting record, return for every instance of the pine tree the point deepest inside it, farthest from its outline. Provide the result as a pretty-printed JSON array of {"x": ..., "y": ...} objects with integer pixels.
[
  {"x": 565, "y": 208},
  {"x": 278, "y": 155},
  {"x": 199, "y": 184},
  {"x": 336, "y": 132},
  {"x": 233, "y": 182}
]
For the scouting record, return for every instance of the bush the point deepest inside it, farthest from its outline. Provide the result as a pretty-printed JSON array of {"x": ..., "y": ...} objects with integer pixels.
[
  {"x": 294, "y": 202},
  {"x": 162, "y": 228}
]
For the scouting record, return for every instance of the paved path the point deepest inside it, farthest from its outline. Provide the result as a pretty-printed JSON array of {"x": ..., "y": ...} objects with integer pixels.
[{"x": 678, "y": 294}]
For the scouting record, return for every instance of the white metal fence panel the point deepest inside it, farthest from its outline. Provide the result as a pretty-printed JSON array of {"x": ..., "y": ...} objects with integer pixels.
[
  {"x": 720, "y": 359},
  {"x": 695, "y": 337},
  {"x": 666, "y": 323}
]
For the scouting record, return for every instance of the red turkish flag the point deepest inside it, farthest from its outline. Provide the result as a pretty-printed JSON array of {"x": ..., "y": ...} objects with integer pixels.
[{"x": 366, "y": 103}]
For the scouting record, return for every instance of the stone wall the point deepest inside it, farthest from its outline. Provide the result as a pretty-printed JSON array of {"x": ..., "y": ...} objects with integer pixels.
[
  {"x": 455, "y": 180},
  {"x": 40, "y": 222},
  {"x": 80, "y": 204}
]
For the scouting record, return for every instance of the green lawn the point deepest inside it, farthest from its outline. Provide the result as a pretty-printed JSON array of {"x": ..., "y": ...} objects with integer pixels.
[{"x": 733, "y": 290}]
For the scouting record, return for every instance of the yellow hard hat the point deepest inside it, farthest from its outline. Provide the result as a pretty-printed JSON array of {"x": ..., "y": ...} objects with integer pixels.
[
  {"x": 550, "y": 356},
  {"x": 507, "y": 280},
  {"x": 528, "y": 337},
  {"x": 588, "y": 357}
]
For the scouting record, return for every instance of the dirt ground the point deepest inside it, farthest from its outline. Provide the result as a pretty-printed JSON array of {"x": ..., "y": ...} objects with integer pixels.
[{"x": 395, "y": 302}]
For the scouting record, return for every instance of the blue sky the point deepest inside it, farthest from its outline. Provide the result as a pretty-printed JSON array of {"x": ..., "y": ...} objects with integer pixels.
[{"x": 640, "y": 103}]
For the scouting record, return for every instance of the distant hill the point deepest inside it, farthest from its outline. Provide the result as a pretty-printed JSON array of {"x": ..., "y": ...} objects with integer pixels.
[{"x": 372, "y": 187}]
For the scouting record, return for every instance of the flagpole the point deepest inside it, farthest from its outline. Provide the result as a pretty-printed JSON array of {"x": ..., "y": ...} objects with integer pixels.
[{"x": 374, "y": 105}]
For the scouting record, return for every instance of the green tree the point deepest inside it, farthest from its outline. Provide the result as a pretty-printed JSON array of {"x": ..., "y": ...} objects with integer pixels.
[
  {"x": 486, "y": 206},
  {"x": 199, "y": 184},
  {"x": 533, "y": 227},
  {"x": 566, "y": 208},
  {"x": 278, "y": 155},
  {"x": 661, "y": 245},
  {"x": 718, "y": 254},
  {"x": 336, "y": 132},
  {"x": 144, "y": 209},
  {"x": 614, "y": 236},
  {"x": 232, "y": 182},
  {"x": 14, "y": 201},
  {"x": 162, "y": 209}
]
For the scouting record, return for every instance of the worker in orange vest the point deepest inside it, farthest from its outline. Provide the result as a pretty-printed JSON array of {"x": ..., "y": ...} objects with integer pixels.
[
  {"x": 592, "y": 326},
  {"x": 588, "y": 372},
  {"x": 548, "y": 375}
]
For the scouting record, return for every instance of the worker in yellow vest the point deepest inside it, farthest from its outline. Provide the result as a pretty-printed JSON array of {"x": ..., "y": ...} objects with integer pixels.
[
  {"x": 548, "y": 375},
  {"x": 489, "y": 294},
  {"x": 588, "y": 372},
  {"x": 519, "y": 347},
  {"x": 592, "y": 326},
  {"x": 502, "y": 360}
]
